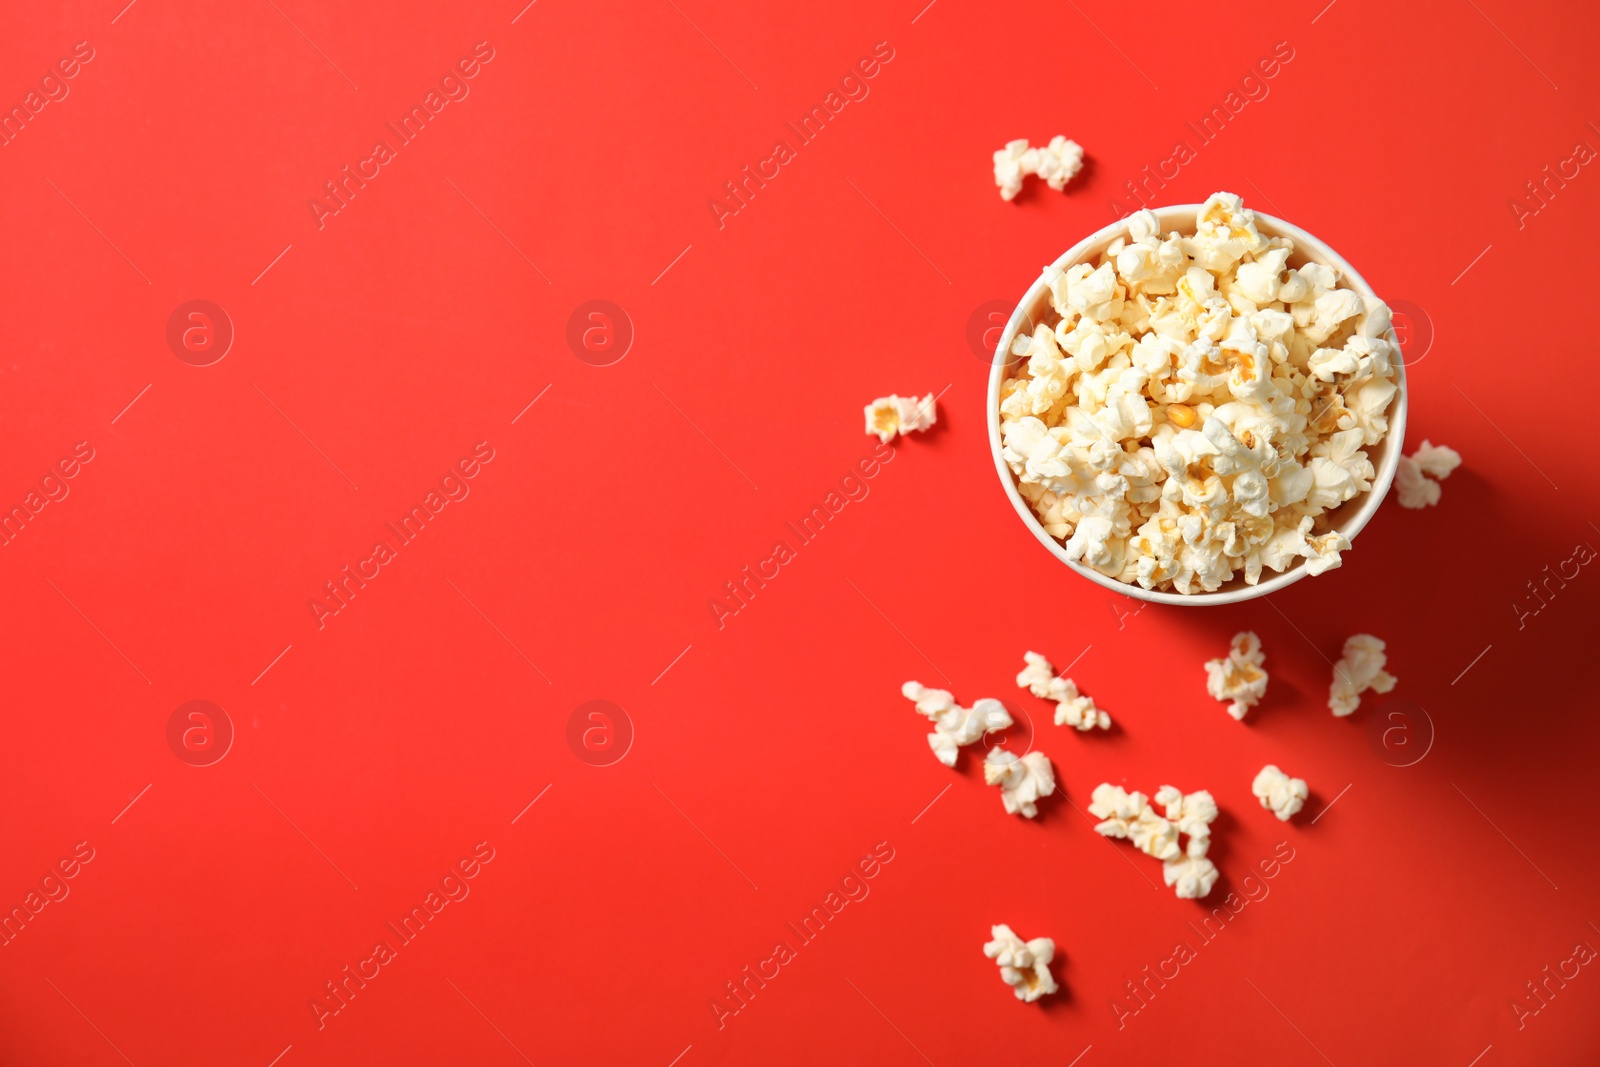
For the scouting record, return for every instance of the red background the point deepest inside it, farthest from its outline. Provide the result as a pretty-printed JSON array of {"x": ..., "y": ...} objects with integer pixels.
[{"x": 425, "y": 316}]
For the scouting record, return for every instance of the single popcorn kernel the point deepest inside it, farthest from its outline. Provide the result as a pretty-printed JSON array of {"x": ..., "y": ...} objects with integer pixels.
[
  {"x": 891, "y": 415},
  {"x": 1437, "y": 461},
  {"x": 1024, "y": 965},
  {"x": 1023, "y": 780},
  {"x": 1238, "y": 677},
  {"x": 1181, "y": 415},
  {"x": 1278, "y": 793},
  {"x": 1358, "y": 670}
]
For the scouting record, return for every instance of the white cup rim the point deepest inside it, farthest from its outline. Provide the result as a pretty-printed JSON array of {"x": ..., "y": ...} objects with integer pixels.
[{"x": 1182, "y": 216}]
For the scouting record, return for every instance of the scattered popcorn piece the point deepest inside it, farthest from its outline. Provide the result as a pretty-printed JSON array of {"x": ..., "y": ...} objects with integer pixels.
[
  {"x": 954, "y": 725},
  {"x": 1414, "y": 491},
  {"x": 1116, "y": 804},
  {"x": 1024, "y": 965},
  {"x": 1037, "y": 676},
  {"x": 1194, "y": 876},
  {"x": 1072, "y": 707},
  {"x": 890, "y": 415},
  {"x": 1130, "y": 815},
  {"x": 1435, "y": 461},
  {"x": 1022, "y": 780},
  {"x": 1009, "y": 169},
  {"x": 1153, "y": 835},
  {"x": 1190, "y": 814},
  {"x": 1057, "y": 163},
  {"x": 1076, "y": 710},
  {"x": 1195, "y": 408},
  {"x": 1280, "y": 794},
  {"x": 1238, "y": 677},
  {"x": 962, "y": 726},
  {"x": 930, "y": 702},
  {"x": 1360, "y": 669}
]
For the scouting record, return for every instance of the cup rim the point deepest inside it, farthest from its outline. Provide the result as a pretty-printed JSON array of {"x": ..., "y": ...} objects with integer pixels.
[{"x": 1236, "y": 590}]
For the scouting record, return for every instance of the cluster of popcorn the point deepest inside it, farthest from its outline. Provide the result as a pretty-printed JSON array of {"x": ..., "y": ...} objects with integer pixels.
[
  {"x": 1359, "y": 669},
  {"x": 1072, "y": 707},
  {"x": 1024, "y": 965},
  {"x": 1056, "y": 162},
  {"x": 954, "y": 725},
  {"x": 1022, "y": 779},
  {"x": 1238, "y": 677},
  {"x": 1129, "y": 815},
  {"x": 1278, "y": 793},
  {"x": 891, "y": 415},
  {"x": 1200, "y": 406},
  {"x": 1434, "y": 461}
]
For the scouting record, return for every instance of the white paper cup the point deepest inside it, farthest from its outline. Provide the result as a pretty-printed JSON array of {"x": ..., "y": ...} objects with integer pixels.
[{"x": 1349, "y": 518}]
